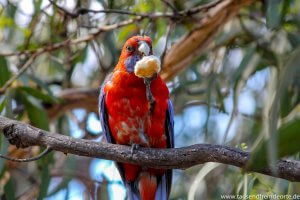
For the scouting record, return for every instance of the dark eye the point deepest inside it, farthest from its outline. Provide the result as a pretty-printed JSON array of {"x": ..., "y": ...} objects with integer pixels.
[{"x": 130, "y": 48}]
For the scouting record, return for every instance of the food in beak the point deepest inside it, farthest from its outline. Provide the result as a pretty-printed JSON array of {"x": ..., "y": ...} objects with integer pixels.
[{"x": 147, "y": 67}]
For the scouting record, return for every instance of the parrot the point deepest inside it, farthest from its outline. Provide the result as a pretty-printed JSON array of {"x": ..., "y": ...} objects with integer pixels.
[{"x": 135, "y": 110}]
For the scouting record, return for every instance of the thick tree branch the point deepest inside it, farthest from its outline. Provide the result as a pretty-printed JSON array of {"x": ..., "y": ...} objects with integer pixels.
[{"x": 24, "y": 135}]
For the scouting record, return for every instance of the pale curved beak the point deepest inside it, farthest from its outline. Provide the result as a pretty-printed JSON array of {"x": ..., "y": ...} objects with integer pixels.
[{"x": 144, "y": 48}]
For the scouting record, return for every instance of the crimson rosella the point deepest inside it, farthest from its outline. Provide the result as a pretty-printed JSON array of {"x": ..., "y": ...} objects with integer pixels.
[{"x": 135, "y": 110}]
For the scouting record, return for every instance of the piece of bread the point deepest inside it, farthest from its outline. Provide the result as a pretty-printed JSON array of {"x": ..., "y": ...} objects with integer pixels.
[{"x": 147, "y": 67}]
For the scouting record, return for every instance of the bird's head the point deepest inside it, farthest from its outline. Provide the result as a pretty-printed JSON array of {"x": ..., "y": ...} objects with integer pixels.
[
  {"x": 137, "y": 46},
  {"x": 137, "y": 56}
]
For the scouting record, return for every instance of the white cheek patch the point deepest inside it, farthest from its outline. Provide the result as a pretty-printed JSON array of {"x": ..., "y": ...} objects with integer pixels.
[{"x": 147, "y": 67}]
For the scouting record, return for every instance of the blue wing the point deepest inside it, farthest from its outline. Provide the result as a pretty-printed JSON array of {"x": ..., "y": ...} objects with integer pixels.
[
  {"x": 170, "y": 142},
  {"x": 170, "y": 125},
  {"x": 165, "y": 181},
  {"x": 103, "y": 112},
  {"x": 132, "y": 191}
]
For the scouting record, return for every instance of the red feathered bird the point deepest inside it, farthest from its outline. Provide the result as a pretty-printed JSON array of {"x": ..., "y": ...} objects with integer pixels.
[{"x": 137, "y": 111}]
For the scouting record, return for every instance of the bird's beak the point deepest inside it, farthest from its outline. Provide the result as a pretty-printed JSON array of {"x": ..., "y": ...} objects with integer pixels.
[{"x": 143, "y": 48}]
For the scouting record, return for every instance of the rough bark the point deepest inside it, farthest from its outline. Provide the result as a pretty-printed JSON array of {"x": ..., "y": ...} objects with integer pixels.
[{"x": 23, "y": 135}]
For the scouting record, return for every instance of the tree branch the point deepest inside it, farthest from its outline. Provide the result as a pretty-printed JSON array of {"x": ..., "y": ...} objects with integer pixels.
[
  {"x": 42, "y": 154},
  {"x": 176, "y": 59},
  {"x": 23, "y": 135},
  {"x": 84, "y": 11},
  {"x": 174, "y": 16},
  {"x": 87, "y": 38},
  {"x": 183, "y": 52},
  {"x": 26, "y": 65}
]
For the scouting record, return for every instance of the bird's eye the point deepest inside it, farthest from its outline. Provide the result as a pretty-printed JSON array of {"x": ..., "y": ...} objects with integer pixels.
[{"x": 129, "y": 48}]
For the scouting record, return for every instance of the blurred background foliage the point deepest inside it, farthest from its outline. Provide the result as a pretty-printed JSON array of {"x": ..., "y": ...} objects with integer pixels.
[{"x": 244, "y": 91}]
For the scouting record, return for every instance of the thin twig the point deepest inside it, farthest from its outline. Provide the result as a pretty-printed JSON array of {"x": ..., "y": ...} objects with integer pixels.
[
  {"x": 19, "y": 73},
  {"x": 231, "y": 119},
  {"x": 91, "y": 36},
  {"x": 200, "y": 8},
  {"x": 175, "y": 16},
  {"x": 83, "y": 11},
  {"x": 202, "y": 103},
  {"x": 170, "y": 27},
  {"x": 59, "y": 45},
  {"x": 45, "y": 152},
  {"x": 170, "y": 5}
]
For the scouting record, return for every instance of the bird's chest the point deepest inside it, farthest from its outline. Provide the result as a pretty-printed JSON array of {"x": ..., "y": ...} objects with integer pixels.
[
  {"x": 131, "y": 120},
  {"x": 129, "y": 116}
]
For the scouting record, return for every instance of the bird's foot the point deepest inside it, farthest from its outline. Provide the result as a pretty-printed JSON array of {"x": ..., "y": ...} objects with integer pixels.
[{"x": 134, "y": 147}]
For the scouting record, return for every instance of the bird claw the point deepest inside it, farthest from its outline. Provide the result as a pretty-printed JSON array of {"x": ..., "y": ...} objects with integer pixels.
[{"x": 133, "y": 148}]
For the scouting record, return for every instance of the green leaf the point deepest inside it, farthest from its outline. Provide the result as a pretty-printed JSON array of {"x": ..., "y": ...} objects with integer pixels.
[
  {"x": 161, "y": 27},
  {"x": 8, "y": 105},
  {"x": 37, "y": 6},
  {"x": 37, "y": 115},
  {"x": 39, "y": 94},
  {"x": 81, "y": 56},
  {"x": 45, "y": 178},
  {"x": 40, "y": 83},
  {"x": 3, "y": 150},
  {"x": 288, "y": 144},
  {"x": 4, "y": 71},
  {"x": 2, "y": 104},
  {"x": 11, "y": 10},
  {"x": 289, "y": 138},
  {"x": 291, "y": 99},
  {"x": 243, "y": 65},
  {"x": 286, "y": 140},
  {"x": 125, "y": 33},
  {"x": 285, "y": 7},
  {"x": 273, "y": 13},
  {"x": 9, "y": 190},
  {"x": 294, "y": 39},
  {"x": 287, "y": 76}
]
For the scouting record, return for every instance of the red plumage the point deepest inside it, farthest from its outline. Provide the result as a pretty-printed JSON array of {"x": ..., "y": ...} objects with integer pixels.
[{"x": 131, "y": 121}]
